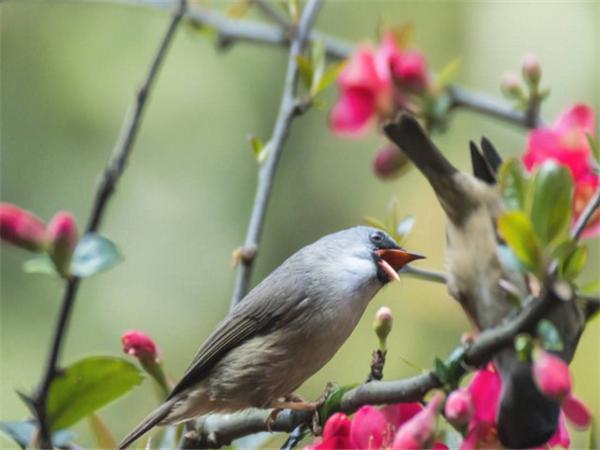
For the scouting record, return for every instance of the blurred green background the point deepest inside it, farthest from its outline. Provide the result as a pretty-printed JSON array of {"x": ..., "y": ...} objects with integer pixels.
[{"x": 68, "y": 74}]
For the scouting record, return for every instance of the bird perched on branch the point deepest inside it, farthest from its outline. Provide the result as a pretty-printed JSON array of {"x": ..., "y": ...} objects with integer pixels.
[
  {"x": 285, "y": 329},
  {"x": 477, "y": 275}
]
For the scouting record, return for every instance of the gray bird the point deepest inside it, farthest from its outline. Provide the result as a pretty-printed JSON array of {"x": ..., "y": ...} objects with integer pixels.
[{"x": 285, "y": 329}]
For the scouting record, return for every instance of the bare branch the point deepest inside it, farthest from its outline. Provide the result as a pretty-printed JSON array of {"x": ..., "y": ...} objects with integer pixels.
[
  {"x": 423, "y": 274},
  {"x": 587, "y": 214},
  {"x": 105, "y": 189},
  {"x": 290, "y": 107},
  {"x": 274, "y": 14}
]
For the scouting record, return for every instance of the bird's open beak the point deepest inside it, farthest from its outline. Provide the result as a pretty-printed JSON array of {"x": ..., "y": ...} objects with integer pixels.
[{"x": 391, "y": 260}]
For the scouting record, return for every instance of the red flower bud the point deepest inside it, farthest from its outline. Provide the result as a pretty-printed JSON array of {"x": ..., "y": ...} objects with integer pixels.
[
  {"x": 532, "y": 72},
  {"x": 62, "y": 236},
  {"x": 389, "y": 162},
  {"x": 459, "y": 407},
  {"x": 21, "y": 228},
  {"x": 419, "y": 432},
  {"x": 138, "y": 344},
  {"x": 410, "y": 70},
  {"x": 551, "y": 375}
]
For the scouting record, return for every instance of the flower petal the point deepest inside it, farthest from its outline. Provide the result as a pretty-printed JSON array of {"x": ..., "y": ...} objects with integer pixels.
[
  {"x": 485, "y": 390},
  {"x": 353, "y": 111},
  {"x": 579, "y": 117},
  {"x": 399, "y": 413},
  {"x": 577, "y": 413},
  {"x": 369, "y": 429}
]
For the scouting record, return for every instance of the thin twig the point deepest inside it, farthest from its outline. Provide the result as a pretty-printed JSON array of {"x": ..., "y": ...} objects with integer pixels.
[
  {"x": 483, "y": 104},
  {"x": 423, "y": 274},
  {"x": 587, "y": 214},
  {"x": 104, "y": 191},
  {"x": 290, "y": 107},
  {"x": 270, "y": 10}
]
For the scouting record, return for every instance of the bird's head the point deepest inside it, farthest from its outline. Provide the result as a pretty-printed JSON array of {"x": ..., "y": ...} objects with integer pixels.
[{"x": 365, "y": 252}]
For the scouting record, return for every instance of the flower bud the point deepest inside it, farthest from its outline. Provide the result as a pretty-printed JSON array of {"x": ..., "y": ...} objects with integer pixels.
[
  {"x": 459, "y": 407},
  {"x": 21, "y": 228},
  {"x": 62, "y": 237},
  {"x": 389, "y": 162},
  {"x": 551, "y": 375},
  {"x": 336, "y": 433},
  {"x": 410, "y": 70},
  {"x": 532, "y": 72},
  {"x": 383, "y": 324},
  {"x": 419, "y": 432},
  {"x": 138, "y": 344},
  {"x": 576, "y": 411},
  {"x": 141, "y": 346},
  {"x": 511, "y": 85}
]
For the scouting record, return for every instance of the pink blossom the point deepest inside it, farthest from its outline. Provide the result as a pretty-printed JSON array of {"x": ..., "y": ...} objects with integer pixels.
[
  {"x": 459, "y": 407},
  {"x": 576, "y": 411},
  {"x": 21, "y": 228},
  {"x": 551, "y": 375},
  {"x": 566, "y": 143},
  {"x": 62, "y": 237},
  {"x": 140, "y": 345},
  {"x": 419, "y": 431},
  {"x": 370, "y": 428},
  {"x": 373, "y": 83}
]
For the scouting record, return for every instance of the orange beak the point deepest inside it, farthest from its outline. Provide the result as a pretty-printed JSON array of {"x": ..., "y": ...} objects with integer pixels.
[{"x": 394, "y": 259}]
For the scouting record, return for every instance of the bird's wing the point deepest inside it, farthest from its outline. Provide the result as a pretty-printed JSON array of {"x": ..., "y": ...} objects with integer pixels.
[{"x": 268, "y": 303}]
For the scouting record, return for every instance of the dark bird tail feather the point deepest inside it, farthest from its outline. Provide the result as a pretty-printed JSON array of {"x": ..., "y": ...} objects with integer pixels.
[{"x": 148, "y": 423}]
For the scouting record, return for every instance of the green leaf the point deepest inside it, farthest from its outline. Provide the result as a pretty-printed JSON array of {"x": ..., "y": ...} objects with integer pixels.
[
  {"x": 23, "y": 432},
  {"x": 440, "y": 369},
  {"x": 330, "y": 75},
  {"x": 374, "y": 222},
  {"x": 454, "y": 367},
  {"x": 40, "y": 264},
  {"x": 523, "y": 345},
  {"x": 94, "y": 254},
  {"x": 517, "y": 230},
  {"x": 331, "y": 404},
  {"x": 87, "y": 385},
  {"x": 318, "y": 64},
  {"x": 590, "y": 288},
  {"x": 512, "y": 180},
  {"x": 551, "y": 201},
  {"x": 574, "y": 263},
  {"x": 102, "y": 434},
  {"x": 549, "y": 336},
  {"x": 259, "y": 149},
  {"x": 404, "y": 228},
  {"x": 594, "y": 146},
  {"x": 238, "y": 9},
  {"x": 447, "y": 74},
  {"x": 305, "y": 67}
]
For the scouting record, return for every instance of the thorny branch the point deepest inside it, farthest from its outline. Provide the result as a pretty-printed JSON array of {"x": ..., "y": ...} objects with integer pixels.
[
  {"x": 106, "y": 188},
  {"x": 291, "y": 106}
]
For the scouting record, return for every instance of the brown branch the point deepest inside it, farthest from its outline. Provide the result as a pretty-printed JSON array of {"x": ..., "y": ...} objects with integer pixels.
[
  {"x": 105, "y": 189},
  {"x": 217, "y": 430},
  {"x": 290, "y": 107}
]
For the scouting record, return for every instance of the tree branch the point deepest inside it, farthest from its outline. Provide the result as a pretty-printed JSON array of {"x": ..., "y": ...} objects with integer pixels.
[
  {"x": 423, "y": 274},
  {"x": 586, "y": 215},
  {"x": 290, "y": 107},
  {"x": 483, "y": 104},
  {"x": 217, "y": 430},
  {"x": 105, "y": 189}
]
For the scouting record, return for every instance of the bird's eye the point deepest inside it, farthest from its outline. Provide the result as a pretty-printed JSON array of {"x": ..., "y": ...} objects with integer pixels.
[{"x": 377, "y": 237}]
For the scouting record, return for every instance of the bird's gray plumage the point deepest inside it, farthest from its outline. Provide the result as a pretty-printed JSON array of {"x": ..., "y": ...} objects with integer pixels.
[{"x": 281, "y": 333}]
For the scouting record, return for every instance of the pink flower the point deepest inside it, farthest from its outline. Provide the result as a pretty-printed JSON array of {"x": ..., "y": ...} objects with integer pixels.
[
  {"x": 484, "y": 390},
  {"x": 459, "y": 407},
  {"x": 389, "y": 162},
  {"x": 140, "y": 345},
  {"x": 419, "y": 432},
  {"x": 21, "y": 228},
  {"x": 566, "y": 143},
  {"x": 372, "y": 83},
  {"x": 551, "y": 375},
  {"x": 62, "y": 237},
  {"x": 373, "y": 428}
]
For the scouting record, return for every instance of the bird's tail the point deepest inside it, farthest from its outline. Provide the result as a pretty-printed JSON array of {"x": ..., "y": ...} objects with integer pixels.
[{"x": 149, "y": 422}]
